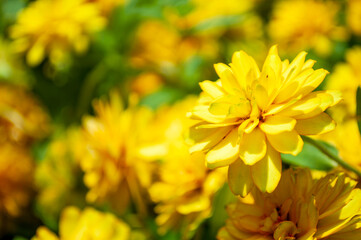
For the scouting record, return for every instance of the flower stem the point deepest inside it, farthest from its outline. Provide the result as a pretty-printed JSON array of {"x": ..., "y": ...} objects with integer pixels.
[{"x": 331, "y": 155}]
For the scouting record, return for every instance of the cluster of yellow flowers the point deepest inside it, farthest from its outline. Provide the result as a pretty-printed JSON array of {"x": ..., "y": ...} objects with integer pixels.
[{"x": 130, "y": 168}]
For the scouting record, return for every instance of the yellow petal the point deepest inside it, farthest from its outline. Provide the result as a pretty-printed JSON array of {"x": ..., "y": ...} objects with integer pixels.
[
  {"x": 295, "y": 66},
  {"x": 301, "y": 107},
  {"x": 242, "y": 65},
  {"x": 277, "y": 124},
  {"x": 266, "y": 173},
  {"x": 313, "y": 81},
  {"x": 203, "y": 139},
  {"x": 202, "y": 112},
  {"x": 261, "y": 96},
  {"x": 212, "y": 88},
  {"x": 316, "y": 125},
  {"x": 285, "y": 229},
  {"x": 290, "y": 88},
  {"x": 229, "y": 82},
  {"x": 225, "y": 152},
  {"x": 286, "y": 142},
  {"x": 36, "y": 54},
  {"x": 252, "y": 146},
  {"x": 240, "y": 178}
]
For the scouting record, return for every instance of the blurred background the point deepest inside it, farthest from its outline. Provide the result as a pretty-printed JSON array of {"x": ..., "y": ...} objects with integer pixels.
[{"x": 57, "y": 57}]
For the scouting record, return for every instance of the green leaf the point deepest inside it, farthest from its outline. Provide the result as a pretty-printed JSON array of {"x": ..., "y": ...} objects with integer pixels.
[
  {"x": 164, "y": 96},
  {"x": 311, "y": 157},
  {"x": 358, "y": 108}
]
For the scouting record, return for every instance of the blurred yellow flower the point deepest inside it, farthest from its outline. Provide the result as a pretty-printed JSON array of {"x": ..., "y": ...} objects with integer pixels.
[
  {"x": 16, "y": 174},
  {"x": 85, "y": 225},
  {"x": 114, "y": 166},
  {"x": 295, "y": 27},
  {"x": 299, "y": 208},
  {"x": 22, "y": 119},
  {"x": 185, "y": 189},
  {"x": 352, "y": 73},
  {"x": 163, "y": 46},
  {"x": 56, "y": 176},
  {"x": 353, "y": 14},
  {"x": 185, "y": 192},
  {"x": 146, "y": 83},
  {"x": 54, "y": 28},
  {"x": 256, "y": 115}
]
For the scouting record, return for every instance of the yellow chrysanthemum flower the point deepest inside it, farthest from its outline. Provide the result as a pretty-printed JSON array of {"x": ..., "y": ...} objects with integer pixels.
[
  {"x": 295, "y": 27},
  {"x": 56, "y": 176},
  {"x": 84, "y": 225},
  {"x": 54, "y": 28},
  {"x": 300, "y": 208},
  {"x": 353, "y": 15},
  {"x": 186, "y": 188},
  {"x": 256, "y": 115},
  {"x": 16, "y": 174},
  {"x": 352, "y": 72},
  {"x": 115, "y": 168},
  {"x": 22, "y": 119}
]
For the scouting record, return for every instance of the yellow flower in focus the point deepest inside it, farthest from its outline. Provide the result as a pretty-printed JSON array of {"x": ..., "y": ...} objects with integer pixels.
[
  {"x": 114, "y": 167},
  {"x": 163, "y": 46},
  {"x": 54, "y": 28},
  {"x": 185, "y": 189},
  {"x": 256, "y": 115},
  {"x": 22, "y": 119},
  {"x": 299, "y": 208},
  {"x": 16, "y": 174},
  {"x": 295, "y": 26},
  {"x": 84, "y": 225},
  {"x": 352, "y": 72},
  {"x": 353, "y": 14},
  {"x": 56, "y": 176}
]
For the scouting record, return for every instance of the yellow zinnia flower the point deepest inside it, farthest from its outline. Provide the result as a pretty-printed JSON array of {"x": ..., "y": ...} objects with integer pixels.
[
  {"x": 114, "y": 166},
  {"x": 256, "y": 115},
  {"x": 22, "y": 119},
  {"x": 16, "y": 174},
  {"x": 85, "y": 225},
  {"x": 185, "y": 189},
  {"x": 300, "y": 208},
  {"x": 54, "y": 28},
  {"x": 295, "y": 27}
]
